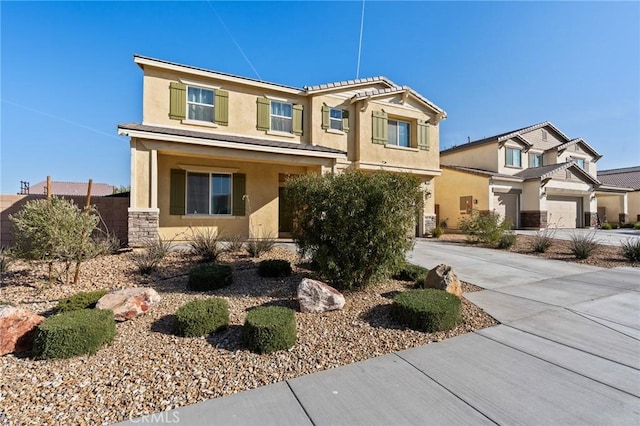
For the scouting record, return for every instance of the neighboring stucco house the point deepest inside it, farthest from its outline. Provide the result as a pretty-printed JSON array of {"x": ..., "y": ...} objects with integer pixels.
[
  {"x": 214, "y": 150},
  {"x": 615, "y": 208},
  {"x": 535, "y": 176}
]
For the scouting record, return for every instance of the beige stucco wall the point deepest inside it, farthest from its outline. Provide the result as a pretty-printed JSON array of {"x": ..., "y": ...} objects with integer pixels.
[
  {"x": 483, "y": 157},
  {"x": 452, "y": 185},
  {"x": 576, "y": 152},
  {"x": 633, "y": 198},
  {"x": 343, "y": 141},
  {"x": 531, "y": 196},
  {"x": 614, "y": 206}
]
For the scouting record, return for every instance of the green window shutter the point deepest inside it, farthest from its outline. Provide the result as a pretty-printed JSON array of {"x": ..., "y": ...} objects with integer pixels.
[
  {"x": 177, "y": 192},
  {"x": 297, "y": 119},
  {"x": 263, "y": 114},
  {"x": 221, "y": 107},
  {"x": 423, "y": 135},
  {"x": 380, "y": 127},
  {"x": 177, "y": 101},
  {"x": 345, "y": 120},
  {"x": 239, "y": 191},
  {"x": 325, "y": 116}
]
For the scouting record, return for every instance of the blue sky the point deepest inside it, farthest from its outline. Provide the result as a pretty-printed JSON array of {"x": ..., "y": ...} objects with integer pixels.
[{"x": 68, "y": 77}]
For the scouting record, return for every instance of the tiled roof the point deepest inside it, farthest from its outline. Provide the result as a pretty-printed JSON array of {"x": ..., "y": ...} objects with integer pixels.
[
  {"x": 481, "y": 172},
  {"x": 628, "y": 177},
  {"x": 397, "y": 89},
  {"x": 544, "y": 172},
  {"x": 503, "y": 136},
  {"x": 347, "y": 83},
  {"x": 72, "y": 188},
  {"x": 229, "y": 138}
]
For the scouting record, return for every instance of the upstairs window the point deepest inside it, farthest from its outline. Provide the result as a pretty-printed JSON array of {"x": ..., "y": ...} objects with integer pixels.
[
  {"x": 399, "y": 133},
  {"x": 579, "y": 162},
  {"x": 200, "y": 104},
  {"x": 281, "y": 117},
  {"x": 514, "y": 156},
  {"x": 535, "y": 160},
  {"x": 335, "y": 119}
]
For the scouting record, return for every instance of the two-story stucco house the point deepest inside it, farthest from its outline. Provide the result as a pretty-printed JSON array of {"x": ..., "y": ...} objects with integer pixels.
[
  {"x": 535, "y": 176},
  {"x": 214, "y": 150}
]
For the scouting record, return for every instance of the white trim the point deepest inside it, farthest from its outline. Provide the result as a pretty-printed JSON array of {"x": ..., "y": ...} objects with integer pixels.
[
  {"x": 207, "y": 169},
  {"x": 335, "y": 132},
  {"x": 232, "y": 145},
  {"x": 277, "y": 99},
  {"x": 143, "y": 210},
  {"x": 199, "y": 84},
  {"x": 402, "y": 148},
  {"x": 281, "y": 134}
]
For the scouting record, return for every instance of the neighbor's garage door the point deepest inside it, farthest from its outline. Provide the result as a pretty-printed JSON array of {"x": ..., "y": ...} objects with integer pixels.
[
  {"x": 563, "y": 211},
  {"x": 506, "y": 205}
]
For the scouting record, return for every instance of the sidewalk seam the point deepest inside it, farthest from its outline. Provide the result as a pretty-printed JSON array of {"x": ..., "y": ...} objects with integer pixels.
[{"x": 306, "y": 413}]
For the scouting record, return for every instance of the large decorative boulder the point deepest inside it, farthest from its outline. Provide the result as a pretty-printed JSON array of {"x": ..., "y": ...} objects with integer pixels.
[
  {"x": 17, "y": 329},
  {"x": 316, "y": 296},
  {"x": 442, "y": 277},
  {"x": 129, "y": 302}
]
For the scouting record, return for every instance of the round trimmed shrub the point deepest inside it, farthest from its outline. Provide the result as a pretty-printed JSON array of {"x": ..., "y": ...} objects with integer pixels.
[
  {"x": 82, "y": 300},
  {"x": 269, "y": 329},
  {"x": 209, "y": 277},
  {"x": 274, "y": 268},
  {"x": 74, "y": 333},
  {"x": 427, "y": 310},
  {"x": 202, "y": 317},
  {"x": 410, "y": 272}
]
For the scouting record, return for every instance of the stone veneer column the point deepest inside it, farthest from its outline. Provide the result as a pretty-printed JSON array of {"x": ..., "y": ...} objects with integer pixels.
[
  {"x": 143, "y": 226},
  {"x": 590, "y": 219},
  {"x": 623, "y": 218},
  {"x": 533, "y": 219}
]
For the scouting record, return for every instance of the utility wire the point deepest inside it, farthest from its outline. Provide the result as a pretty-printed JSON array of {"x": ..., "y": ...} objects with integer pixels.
[
  {"x": 233, "y": 39},
  {"x": 360, "y": 43}
]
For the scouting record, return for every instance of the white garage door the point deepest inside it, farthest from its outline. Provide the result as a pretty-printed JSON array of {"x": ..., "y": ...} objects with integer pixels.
[
  {"x": 564, "y": 212},
  {"x": 506, "y": 205}
]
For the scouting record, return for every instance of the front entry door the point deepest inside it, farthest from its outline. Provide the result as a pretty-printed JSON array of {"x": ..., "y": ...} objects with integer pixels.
[{"x": 285, "y": 216}]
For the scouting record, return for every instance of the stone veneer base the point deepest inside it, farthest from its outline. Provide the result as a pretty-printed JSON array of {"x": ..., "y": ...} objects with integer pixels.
[{"x": 143, "y": 227}]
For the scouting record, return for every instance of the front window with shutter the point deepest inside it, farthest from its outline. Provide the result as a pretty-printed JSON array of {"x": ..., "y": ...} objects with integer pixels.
[
  {"x": 209, "y": 193},
  {"x": 200, "y": 104},
  {"x": 281, "y": 117},
  {"x": 335, "y": 119},
  {"x": 399, "y": 133}
]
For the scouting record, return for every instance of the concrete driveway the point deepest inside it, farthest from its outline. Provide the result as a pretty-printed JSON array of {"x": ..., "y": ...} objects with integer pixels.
[
  {"x": 567, "y": 352},
  {"x": 611, "y": 237}
]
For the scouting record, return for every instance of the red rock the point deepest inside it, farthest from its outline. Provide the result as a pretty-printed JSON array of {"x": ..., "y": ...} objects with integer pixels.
[
  {"x": 316, "y": 296},
  {"x": 129, "y": 302},
  {"x": 17, "y": 329}
]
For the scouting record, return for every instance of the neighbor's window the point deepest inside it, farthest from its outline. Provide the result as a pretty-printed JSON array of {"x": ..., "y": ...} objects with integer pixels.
[
  {"x": 200, "y": 104},
  {"x": 513, "y": 157},
  {"x": 335, "y": 119},
  {"x": 399, "y": 133},
  {"x": 580, "y": 162},
  {"x": 208, "y": 193},
  {"x": 281, "y": 117},
  {"x": 535, "y": 160}
]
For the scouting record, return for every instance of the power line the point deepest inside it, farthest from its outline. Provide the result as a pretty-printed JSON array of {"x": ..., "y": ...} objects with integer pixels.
[
  {"x": 233, "y": 39},
  {"x": 360, "y": 43}
]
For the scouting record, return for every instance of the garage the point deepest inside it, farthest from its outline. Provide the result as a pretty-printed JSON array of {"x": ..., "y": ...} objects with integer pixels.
[
  {"x": 506, "y": 205},
  {"x": 564, "y": 212}
]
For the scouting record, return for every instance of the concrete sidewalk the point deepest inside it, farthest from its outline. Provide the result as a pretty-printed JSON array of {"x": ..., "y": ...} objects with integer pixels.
[{"x": 567, "y": 352}]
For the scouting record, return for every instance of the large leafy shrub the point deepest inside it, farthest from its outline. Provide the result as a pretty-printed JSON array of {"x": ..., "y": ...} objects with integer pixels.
[
  {"x": 270, "y": 328},
  {"x": 82, "y": 300},
  {"x": 74, "y": 333},
  {"x": 209, "y": 277},
  {"x": 484, "y": 227},
  {"x": 55, "y": 230},
  {"x": 202, "y": 317},
  {"x": 427, "y": 310},
  {"x": 357, "y": 227}
]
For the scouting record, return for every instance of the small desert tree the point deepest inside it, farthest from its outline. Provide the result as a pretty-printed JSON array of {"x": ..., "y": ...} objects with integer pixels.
[
  {"x": 54, "y": 230},
  {"x": 357, "y": 227}
]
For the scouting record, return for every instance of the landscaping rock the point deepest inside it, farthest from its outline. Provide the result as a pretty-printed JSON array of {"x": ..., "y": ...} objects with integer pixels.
[
  {"x": 316, "y": 296},
  {"x": 442, "y": 277},
  {"x": 17, "y": 329},
  {"x": 129, "y": 302}
]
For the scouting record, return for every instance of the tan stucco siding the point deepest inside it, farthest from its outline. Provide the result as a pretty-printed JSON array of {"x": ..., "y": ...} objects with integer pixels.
[
  {"x": 502, "y": 158},
  {"x": 531, "y": 194},
  {"x": 327, "y": 137},
  {"x": 576, "y": 152},
  {"x": 535, "y": 137},
  {"x": 483, "y": 157},
  {"x": 633, "y": 198},
  {"x": 242, "y": 106},
  {"x": 452, "y": 185},
  {"x": 143, "y": 177}
]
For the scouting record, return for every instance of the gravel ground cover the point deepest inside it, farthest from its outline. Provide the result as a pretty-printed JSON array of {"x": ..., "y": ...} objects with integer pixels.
[{"x": 148, "y": 369}]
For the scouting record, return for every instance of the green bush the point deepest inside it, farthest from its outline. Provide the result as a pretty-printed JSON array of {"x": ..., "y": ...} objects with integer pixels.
[
  {"x": 636, "y": 225},
  {"x": 209, "y": 277},
  {"x": 202, "y": 317},
  {"x": 274, "y": 268},
  {"x": 542, "y": 240},
  {"x": 269, "y": 329},
  {"x": 627, "y": 225},
  {"x": 427, "y": 310},
  {"x": 606, "y": 226},
  {"x": 631, "y": 249},
  {"x": 437, "y": 232},
  {"x": 410, "y": 272},
  {"x": 74, "y": 333},
  {"x": 82, "y": 300},
  {"x": 583, "y": 245},
  {"x": 6, "y": 259},
  {"x": 486, "y": 228},
  {"x": 508, "y": 239},
  {"x": 614, "y": 225},
  {"x": 206, "y": 244},
  {"x": 356, "y": 226}
]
